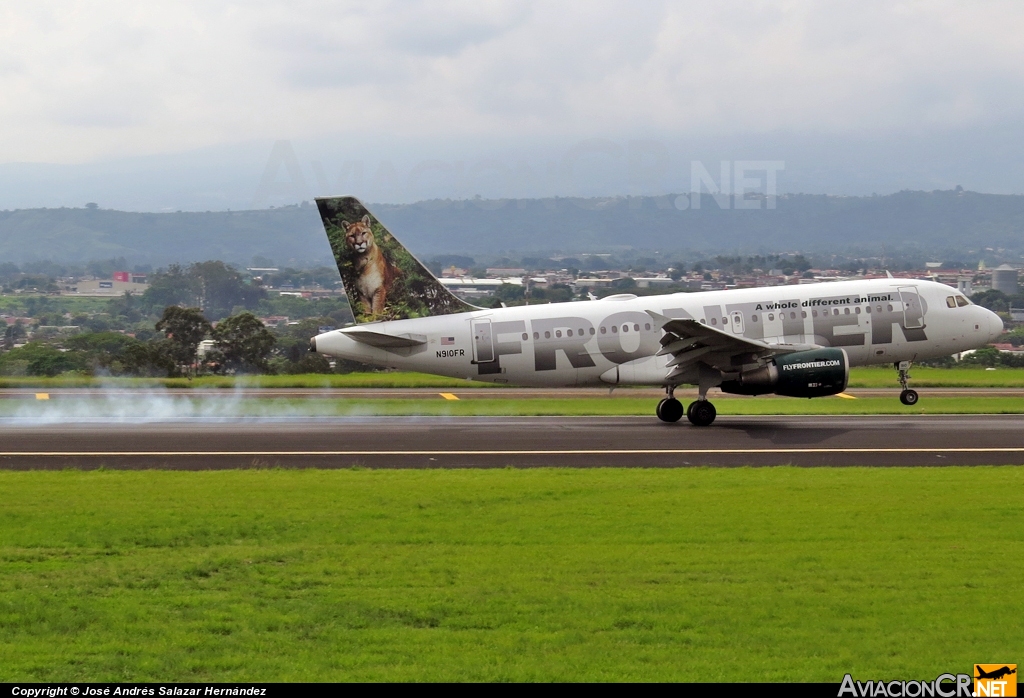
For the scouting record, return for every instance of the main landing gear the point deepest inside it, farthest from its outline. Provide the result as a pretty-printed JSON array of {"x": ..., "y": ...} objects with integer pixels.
[
  {"x": 669, "y": 409},
  {"x": 701, "y": 412},
  {"x": 908, "y": 396}
]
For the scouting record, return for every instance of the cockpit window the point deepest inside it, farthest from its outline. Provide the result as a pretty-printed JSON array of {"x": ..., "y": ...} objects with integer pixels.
[
  {"x": 961, "y": 301},
  {"x": 950, "y": 301}
]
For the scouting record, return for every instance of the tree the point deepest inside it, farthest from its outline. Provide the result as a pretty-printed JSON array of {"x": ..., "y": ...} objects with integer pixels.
[
  {"x": 38, "y": 359},
  {"x": 127, "y": 306},
  {"x": 996, "y": 301},
  {"x": 13, "y": 333},
  {"x": 185, "y": 328},
  {"x": 100, "y": 350},
  {"x": 150, "y": 359},
  {"x": 244, "y": 343},
  {"x": 172, "y": 287},
  {"x": 221, "y": 288}
]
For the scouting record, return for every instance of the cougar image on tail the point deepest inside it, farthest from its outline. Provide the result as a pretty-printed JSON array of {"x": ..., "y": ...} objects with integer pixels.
[
  {"x": 382, "y": 279},
  {"x": 374, "y": 272}
]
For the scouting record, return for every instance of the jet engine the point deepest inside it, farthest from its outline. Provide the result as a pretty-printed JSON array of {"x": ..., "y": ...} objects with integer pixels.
[{"x": 814, "y": 373}]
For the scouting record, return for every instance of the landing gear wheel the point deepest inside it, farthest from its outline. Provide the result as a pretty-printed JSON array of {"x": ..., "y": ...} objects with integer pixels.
[
  {"x": 909, "y": 397},
  {"x": 701, "y": 413},
  {"x": 670, "y": 410}
]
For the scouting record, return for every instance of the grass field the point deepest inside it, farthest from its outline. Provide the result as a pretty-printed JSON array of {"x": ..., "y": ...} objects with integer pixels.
[
  {"x": 693, "y": 574},
  {"x": 868, "y": 377},
  {"x": 132, "y": 408}
]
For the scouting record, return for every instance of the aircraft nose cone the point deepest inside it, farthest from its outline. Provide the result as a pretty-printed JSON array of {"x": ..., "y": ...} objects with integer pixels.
[{"x": 995, "y": 325}]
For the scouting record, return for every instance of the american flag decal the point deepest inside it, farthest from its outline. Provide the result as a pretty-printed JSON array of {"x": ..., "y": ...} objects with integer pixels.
[{"x": 447, "y": 340}]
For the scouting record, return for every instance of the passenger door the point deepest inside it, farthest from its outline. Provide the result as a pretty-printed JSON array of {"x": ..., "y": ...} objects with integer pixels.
[
  {"x": 483, "y": 342},
  {"x": 913, "y": 311}
]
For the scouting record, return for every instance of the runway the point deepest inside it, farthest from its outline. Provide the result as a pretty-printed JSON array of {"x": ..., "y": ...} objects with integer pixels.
[
  {"x": 464, "y": 393},
  {"x": 494, "y": 442}
]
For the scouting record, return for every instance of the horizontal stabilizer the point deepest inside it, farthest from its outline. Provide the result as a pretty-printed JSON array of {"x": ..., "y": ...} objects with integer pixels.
[{"x": 384, "y": 340}]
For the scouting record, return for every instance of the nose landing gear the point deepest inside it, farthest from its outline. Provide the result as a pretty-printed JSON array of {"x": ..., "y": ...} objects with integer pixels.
[{"x": 908, "y": 396}]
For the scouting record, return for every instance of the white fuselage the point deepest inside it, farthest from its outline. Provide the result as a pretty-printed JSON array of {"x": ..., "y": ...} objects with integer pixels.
[{"x": 614, "y": 340}]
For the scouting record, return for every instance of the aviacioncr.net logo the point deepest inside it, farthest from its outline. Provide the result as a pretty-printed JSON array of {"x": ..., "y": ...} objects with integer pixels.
[{"x": 944, "y": 686}]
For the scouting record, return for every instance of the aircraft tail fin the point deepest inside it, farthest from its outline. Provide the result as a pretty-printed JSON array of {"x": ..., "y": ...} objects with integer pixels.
[{"x": 382, "y": 279}]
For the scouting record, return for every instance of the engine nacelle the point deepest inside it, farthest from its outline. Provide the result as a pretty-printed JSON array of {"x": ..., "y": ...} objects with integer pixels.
[{"x": 814, "y": 373}]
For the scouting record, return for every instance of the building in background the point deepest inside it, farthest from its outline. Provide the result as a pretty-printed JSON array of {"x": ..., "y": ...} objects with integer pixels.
[{"x": 1004, "y": 279}]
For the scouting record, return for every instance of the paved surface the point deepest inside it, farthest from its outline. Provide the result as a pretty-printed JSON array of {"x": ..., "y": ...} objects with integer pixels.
[
  {"x": 419, "y": 442},
  {"x": 462, "y": 393}
]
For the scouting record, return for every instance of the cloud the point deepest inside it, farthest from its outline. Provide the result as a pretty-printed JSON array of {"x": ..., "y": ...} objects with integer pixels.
[{"x": 85, "y": 81}]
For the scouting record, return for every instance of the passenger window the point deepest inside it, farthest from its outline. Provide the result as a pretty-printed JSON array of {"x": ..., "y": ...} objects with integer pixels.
[
  {"x": 547, "y": 334},
  {"x": 625, "y": 328},
  {"x": 636, "y": 328},
  {"x": 771, "y": 316},
  {"x": 615, "y": 329},
  {"x": 879, "y": 308},
  {"x": 961, "y": 301},
  {"x": 803, "y": 313},
  {"x": 581, "y": 333},
  {"x": 835, "y": 311},
  {"x": 846, "y": 311},
  {"x": 568, "y": 333},
  {"x": 714, "y": 321},
  {"x": 814, "y": 313},
  {"x": 858, "y": 310},
  {"x": 867, "y": 309},
  {"x": 647, "y": 325},
  {"x": 753, "y": 318},
  {"x": 950, "y": 302},
  {"x": 536, "y": 335},
  {"x": 558, "y": 333},
  {"x": 525, "y": 336},
  {"x": 890, "y": 307},
  {"x": 702, "y": 321},
  {"x": 592, "y": 331},
  {"x": 604, "y": 330}
]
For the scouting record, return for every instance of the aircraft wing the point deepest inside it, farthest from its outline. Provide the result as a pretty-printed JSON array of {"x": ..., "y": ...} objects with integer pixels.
[{"x": 691, "y": 342}]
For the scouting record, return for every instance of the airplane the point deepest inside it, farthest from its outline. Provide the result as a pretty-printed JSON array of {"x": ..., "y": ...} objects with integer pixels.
[{"x": 797, "y": 341}]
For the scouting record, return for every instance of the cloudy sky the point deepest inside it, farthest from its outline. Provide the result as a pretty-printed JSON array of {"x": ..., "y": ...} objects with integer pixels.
[{"x": 161, "y": 104}]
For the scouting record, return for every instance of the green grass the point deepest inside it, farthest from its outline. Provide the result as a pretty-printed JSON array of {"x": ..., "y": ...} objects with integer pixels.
[
  {"x": 575, "y": 406},
  {"x": 691, "y": 574},
  {"x": 868, "y": 377},
  {"x": 394, "y": 379},
  {"x": 645, "y": 406},
  {"x": 925, "y": 377}
]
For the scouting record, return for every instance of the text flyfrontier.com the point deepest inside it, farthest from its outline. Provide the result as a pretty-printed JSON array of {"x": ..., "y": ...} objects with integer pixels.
[{"x": 989, "y": 681}]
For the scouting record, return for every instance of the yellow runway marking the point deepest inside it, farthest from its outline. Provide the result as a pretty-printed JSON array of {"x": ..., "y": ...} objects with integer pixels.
[
  {"x": 844, "y": 395},
  {"x": 578, "y": 452},
  {"x": 42, "y": 396},
  {"x": 448, "y": 396}
]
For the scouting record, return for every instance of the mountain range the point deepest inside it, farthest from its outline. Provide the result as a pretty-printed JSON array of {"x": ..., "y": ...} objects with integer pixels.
[{"x": 935, "y": 224}]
